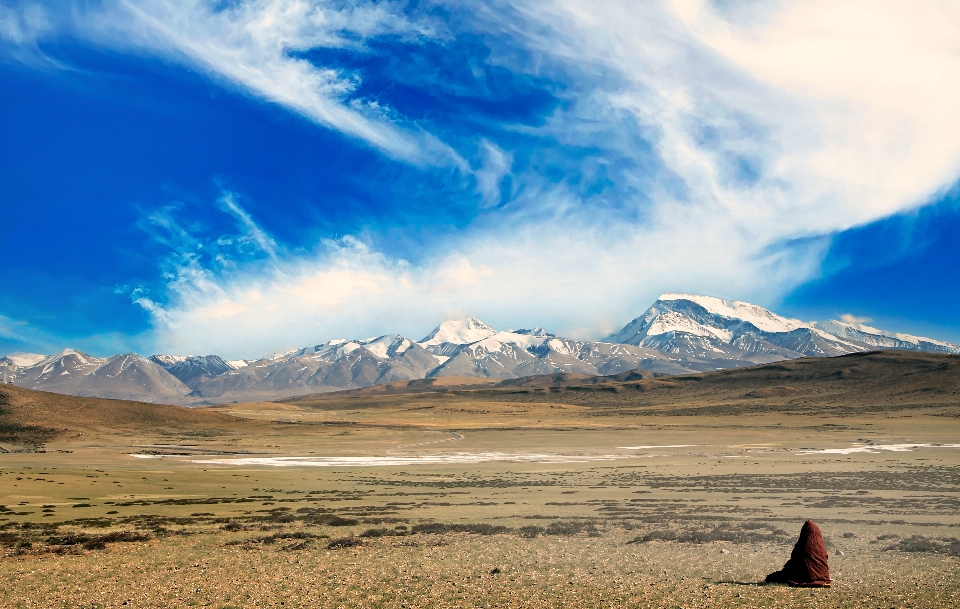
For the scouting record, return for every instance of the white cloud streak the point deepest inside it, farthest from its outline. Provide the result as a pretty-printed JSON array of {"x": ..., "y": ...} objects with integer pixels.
[
  {"x": 845, "y": 107},
  {"x": 23, "y": 25},
  {"x": 253, "y": 231},
  {"x": 258, "y": 46}
]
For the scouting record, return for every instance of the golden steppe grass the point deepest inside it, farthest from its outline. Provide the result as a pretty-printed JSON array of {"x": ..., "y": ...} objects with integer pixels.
[{"x": 682, "y": 502}]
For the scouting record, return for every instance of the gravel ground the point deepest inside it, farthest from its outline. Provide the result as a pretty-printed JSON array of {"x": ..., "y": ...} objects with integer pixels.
[{"x": 210, "y": 569}]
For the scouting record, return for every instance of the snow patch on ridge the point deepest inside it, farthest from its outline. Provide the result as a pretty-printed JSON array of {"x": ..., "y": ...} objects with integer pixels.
[{"x": 672, "y": 321}]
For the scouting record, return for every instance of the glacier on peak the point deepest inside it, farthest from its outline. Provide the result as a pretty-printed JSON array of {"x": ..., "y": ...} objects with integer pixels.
[{"x": 458, "y": 332}]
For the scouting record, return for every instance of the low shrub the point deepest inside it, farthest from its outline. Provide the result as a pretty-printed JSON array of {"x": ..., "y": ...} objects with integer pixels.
[
  {"x": 100, "y": 541},
  {"x": 478, "y": 529},
  {"x": 383, "y": 532},
  {"x": 918, "y": 543},
  {"x": 331, "y": 520},
  {"x": 737, "y": 534},
  {"x": 344, "y": 542}
]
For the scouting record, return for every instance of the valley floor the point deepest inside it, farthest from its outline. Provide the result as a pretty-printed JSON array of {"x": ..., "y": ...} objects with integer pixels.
[{"x": 576, "y": 511}]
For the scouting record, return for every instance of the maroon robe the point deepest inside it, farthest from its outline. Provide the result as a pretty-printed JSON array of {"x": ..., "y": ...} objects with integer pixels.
[{"x": 807, "y": 566}]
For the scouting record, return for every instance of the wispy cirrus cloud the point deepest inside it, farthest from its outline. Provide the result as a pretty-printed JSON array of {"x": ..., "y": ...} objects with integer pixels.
[
  {"x": 23, "y": 24},
  {"x": 258, "y": 46},
  {"x": 806, "y": 118}
]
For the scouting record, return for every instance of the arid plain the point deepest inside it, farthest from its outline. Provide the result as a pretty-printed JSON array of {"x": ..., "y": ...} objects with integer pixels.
[{"x": 545, "y": 492}]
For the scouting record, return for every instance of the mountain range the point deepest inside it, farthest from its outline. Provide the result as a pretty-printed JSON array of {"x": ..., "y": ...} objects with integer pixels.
[{"x": 678, "y": 334}]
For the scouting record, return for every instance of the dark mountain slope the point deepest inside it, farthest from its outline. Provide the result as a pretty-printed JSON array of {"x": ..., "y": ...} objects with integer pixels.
[{"x": 878, "y": 380}]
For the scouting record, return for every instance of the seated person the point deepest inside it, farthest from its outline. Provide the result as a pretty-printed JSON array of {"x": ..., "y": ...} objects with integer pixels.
[{"x": 807, "y": 566}]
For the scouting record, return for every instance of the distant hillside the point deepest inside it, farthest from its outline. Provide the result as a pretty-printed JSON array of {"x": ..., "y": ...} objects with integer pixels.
[
  {"x": 449, "y": 384},
  {"x": 879, "y": 380},
  {"x": 30, "y": 418}
]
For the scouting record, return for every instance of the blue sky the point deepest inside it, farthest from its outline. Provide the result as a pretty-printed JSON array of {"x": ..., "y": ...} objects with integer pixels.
[{"x": 243, "y": 177}]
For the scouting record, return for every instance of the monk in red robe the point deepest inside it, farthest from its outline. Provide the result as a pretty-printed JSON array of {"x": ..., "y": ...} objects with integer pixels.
[{"x": 807, "y": 566}]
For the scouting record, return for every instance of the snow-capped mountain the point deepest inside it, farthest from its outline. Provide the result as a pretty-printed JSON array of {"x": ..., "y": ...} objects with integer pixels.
[
  {"x": 881, "y": 339},
  {"x": 192, "y": 369},
  {"x": 513, "y": 354},
  {"x": 334, "y": 365},
  {"x": 449, "y": 335},
  {"x": 678, "y": 334},
  {"x": 466, "y": 347},
  {"x": 733, "y": 333},
  {"x": 126, "y": 377}
]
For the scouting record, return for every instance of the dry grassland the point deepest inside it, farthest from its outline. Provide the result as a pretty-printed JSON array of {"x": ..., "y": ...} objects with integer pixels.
[{"x": 623, "y": 505}]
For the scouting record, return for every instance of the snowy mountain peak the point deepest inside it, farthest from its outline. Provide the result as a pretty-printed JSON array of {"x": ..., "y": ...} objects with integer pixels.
[
  {"x": 386, "y": 346},
  {"x": 761, "y": 318},
  {"x": 458, "y": 332},
  {"x": 74, "y": 356},
  {"x": 728, "y": 332},
  {"x": 706, "y": 316},
  {"x": 190, "y": 369}
]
